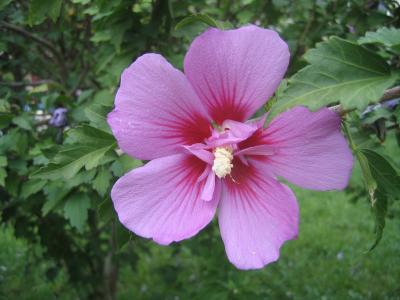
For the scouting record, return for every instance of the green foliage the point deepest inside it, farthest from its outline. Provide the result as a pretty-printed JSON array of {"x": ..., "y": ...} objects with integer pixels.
[
  {"x": 339, "y": 71},
  {"x": 26, "y": 274},
  {"x": 39, "y": 9},
  {"x": 389, "y": 37},
  {"x": 89, "y": 151},
  {"x": 55, "y": 182}
]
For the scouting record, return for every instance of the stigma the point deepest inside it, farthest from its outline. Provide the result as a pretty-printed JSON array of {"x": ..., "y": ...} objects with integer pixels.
[{"x": 222, "y": 164}]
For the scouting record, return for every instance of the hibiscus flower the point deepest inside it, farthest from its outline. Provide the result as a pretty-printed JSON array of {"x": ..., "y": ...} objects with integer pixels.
[{"x": 207, "y": 158}]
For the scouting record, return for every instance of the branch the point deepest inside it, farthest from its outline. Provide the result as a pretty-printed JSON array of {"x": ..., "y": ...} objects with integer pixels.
[
  {"x": 45, "y": 43},
  {"x": 41, "y": 41},
  {"x": 388, "y": 95}
]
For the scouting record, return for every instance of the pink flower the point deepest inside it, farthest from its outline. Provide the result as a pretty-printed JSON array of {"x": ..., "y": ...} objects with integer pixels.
[{"x": 166, "y": 116}]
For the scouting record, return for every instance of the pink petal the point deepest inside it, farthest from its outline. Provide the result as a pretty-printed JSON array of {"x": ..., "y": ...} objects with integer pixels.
[
  {"x": 156, "y": 110},
  {"x": 235, "y": 132},
  {"x": 209, "y": 187},
  {"x": 161, "y": 200},
  {"x": 235, "y": 71},
  {"x": 257, "y": 214},
  {"x": 199, "y": 150},
  {"x": 309, "y": 149}
]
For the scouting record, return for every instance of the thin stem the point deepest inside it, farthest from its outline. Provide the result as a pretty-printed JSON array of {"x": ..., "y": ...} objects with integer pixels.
[{"x": 349, "y": 137}]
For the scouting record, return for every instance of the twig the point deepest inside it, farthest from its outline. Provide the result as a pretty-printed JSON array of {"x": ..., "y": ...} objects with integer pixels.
[
  {"x": 388, "y": 95},
  {"x": 22, "y": 83}
]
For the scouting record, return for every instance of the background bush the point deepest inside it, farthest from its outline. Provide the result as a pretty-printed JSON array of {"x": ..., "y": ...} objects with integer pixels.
[{"x": 60, "y": 63}]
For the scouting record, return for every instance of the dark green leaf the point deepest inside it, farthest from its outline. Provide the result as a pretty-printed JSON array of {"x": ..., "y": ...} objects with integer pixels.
[
  {"x": 379, "y": 209},
  {"x": 56, "y": 191},
  {"x": 369, "y": 180},
  {"x": 39, "y": 9},
  {"x": 106, "y": 210},
  {"x": 385, "y": 175},
  {"x": 76, "y": 210},
  {"x": 4, "y": 3}
]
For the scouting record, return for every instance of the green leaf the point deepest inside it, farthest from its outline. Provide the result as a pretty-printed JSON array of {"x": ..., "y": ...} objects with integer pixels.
[
  {"x": 389, "y": 37},
  {"x": 76, "y": 210},
  {"x": 97, "y": 114},
  {"x": 4, "y": 3},
  {"x": 31, "y": 187},
  {"x": 89, "y": 150},
  {"x": 122, "y": 235},
  {"x": 203, "y": 18},
  {"x": 379, "y": 209},
  {"x": 339, "y": 71},
  {"x": 3, "y": 161},
  {"x": 39, "y": 9},
  {"x": 102, "y": 181},
  {"x": 23, "y": 122},
  {"x": 5, "y": 119},
  {"x": 376, "y": 115},
  {"x": 385, "y": 175},
  {"x": 56, "y": 192},
  {"x": 123, "y": 164},
  {"x": 106, "y": 210},
  {"x": 369, "y": 180},
  {"x": 3, "y": 176},
  {"x": 387, "y": 185}
]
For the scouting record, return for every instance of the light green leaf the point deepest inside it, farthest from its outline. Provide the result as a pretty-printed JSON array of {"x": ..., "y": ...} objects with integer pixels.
[
  {"x": 23, "y": 122},
  {"x": 102, "y": 181},
  {"x": 339, "y": 71},
  {"x": 89, "y": 148},
  {"x": 203, "y": 18},
  {"x": 3, "y": 161},
  {"x": 76, "y": 210},
  {"x": 39, "y": 9},
  {"x": 39, "y": 89},
  {"x": 389, "y": 37},
  {"x": 31, "y": 187},
  {"x": 97, "y": 114}
]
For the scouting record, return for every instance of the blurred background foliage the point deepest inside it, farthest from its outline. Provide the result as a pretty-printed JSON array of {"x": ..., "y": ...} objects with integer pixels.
[{"x": 60, "y": 63}]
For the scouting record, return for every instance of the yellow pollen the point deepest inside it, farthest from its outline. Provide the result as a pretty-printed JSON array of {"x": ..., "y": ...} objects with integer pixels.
[{"x": 222, "y": 164}]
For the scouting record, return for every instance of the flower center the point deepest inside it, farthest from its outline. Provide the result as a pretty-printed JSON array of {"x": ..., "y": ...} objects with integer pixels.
[{"x": 222, "y": 164}]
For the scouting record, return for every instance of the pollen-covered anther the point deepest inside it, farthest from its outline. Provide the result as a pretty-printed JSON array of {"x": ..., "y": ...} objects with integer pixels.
[{"x": 222, "y": 164}]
